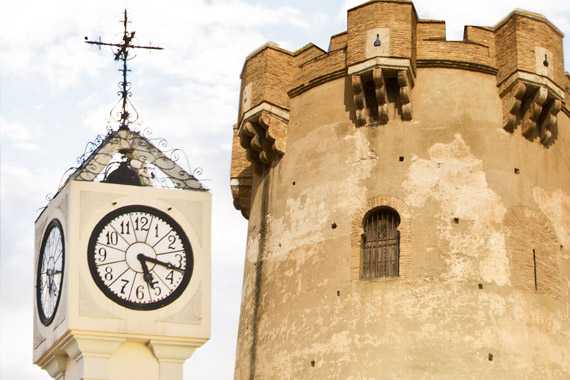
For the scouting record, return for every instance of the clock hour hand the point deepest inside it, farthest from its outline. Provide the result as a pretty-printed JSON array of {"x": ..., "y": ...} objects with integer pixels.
[
  {"x": 164, "y": 264},
  {"x": 146, "y": 274}
]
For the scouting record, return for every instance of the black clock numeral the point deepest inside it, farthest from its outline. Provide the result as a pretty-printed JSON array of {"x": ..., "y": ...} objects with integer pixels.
[
  {"x": 179, "y": 263},
  {"x": 140, "y": 292},
  {"x": 125, "y": 283},
  {"x": 170, "y": 277},
  {"x": 102, "y": 254},
  {"x": 108, "y": 273},
  {"x": 157, "y": 289},
  {"x": 141, "y": 225},
  {"x": 125, "y": 227},
  {"x": 172, "y": 240},
  {"x": 112, "y": 237},
  {"x": 156, "y": 230}
]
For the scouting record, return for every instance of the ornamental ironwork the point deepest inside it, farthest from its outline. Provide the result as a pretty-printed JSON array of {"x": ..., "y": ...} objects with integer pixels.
[
  {"x": 128, "y": 113},
  {"x": 155, "y": 165}
]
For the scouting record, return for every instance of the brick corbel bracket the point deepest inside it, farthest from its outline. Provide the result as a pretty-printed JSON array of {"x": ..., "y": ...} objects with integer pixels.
[
  {"x": 377, "y": 83},
  {"x": 532, "y": 102},
  {"x": 263, "y": 134}
]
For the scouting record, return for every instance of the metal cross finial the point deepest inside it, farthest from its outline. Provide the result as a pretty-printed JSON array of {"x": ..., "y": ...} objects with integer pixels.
[{"x": 128, "y": 112}]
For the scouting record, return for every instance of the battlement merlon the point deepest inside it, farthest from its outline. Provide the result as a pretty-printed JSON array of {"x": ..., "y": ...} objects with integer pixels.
[
  {"x": 385, "y": 44},
  {"x": 520, "y": 42}
]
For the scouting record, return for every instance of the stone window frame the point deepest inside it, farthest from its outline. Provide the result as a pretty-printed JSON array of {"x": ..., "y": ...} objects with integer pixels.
[{"x": 358, "y": 229}]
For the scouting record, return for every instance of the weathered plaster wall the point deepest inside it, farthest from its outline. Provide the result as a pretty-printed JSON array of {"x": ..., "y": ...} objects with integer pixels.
[
  {"x": 464, "y": 139},
  {"x": 305, "y": 313}
]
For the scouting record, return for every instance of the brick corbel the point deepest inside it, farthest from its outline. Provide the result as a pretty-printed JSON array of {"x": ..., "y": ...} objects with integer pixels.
[
  {"x": 370, "y": 90},
  {"x": 533, "y": 103},
  {"x": 263, "y": 135},
  {"x": 241, "y": 191},
  {"x": 405, "y": 95},
  {"x": 381, "y": 95},
  {"x": 358, "y": 93}
]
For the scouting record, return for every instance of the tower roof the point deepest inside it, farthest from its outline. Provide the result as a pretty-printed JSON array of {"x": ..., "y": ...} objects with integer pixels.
[{"x": 154, "y": 167}]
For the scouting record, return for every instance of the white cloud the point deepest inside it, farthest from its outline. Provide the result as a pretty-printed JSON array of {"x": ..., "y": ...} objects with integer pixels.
[
  {"x": 20, "y": 136},
  {"x": 457, "y": 14}
]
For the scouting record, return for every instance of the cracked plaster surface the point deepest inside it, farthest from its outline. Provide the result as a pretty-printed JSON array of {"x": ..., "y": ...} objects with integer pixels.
[{"x": 450, "y": 176}]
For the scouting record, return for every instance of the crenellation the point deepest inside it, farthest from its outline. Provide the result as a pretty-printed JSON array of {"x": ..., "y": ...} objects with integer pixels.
[
  {"x": 455, "y": 51},
  {"x": 484, "y": 36},
  {"x": 398, "y": 18},
  {"x": 266, "y": 78},
  {"x": 523, "y": 41},
  {"x": 319, "y": 70},
  {"x": 385, "y": 38},
  {"x": 307, "y": 53},
  {"x": 431, "y": 30},
  {"x": 338, "y": 41}
]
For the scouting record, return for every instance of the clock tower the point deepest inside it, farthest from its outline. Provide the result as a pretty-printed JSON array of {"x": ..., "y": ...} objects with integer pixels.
[{"x": 122, "y": 261}]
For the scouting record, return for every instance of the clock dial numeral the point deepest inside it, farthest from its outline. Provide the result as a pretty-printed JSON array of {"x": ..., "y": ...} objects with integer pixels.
[
  {"x": 101, "y": 254},
  {"x": 141, "y": 223},
  {"x": 125, "y": 228},
  {"x": 112, "y": 238},
  {"x": 125, "y": 284},
  {"x": 108, "y": 255},
  {"x": 170, "y": 242},
  {"x": 140, "y": 258}
]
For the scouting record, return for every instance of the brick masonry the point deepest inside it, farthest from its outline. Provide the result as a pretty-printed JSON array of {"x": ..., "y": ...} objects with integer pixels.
[{"x": 477, "y": 188}]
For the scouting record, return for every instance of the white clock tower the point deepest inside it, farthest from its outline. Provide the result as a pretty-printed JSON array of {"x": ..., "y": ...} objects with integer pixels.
[{"x": 122, "y": 262}]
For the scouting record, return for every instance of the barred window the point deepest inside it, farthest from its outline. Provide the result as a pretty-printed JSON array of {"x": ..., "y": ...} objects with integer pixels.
[{"x": 381, "y": 244}]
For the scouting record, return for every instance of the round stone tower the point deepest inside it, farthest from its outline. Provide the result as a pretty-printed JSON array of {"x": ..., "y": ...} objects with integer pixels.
[{"x": 408, "y": 201}]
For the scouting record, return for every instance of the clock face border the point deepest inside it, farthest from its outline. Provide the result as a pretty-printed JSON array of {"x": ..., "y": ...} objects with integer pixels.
[
  {"x": 93, "y": 241},
  {"x": 53, "y": 224}
]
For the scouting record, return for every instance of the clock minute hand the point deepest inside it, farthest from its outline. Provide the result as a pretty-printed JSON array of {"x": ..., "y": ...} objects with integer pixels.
[
  {"x": 146, "y": 274},
  {"x": 164, "y": 264}
]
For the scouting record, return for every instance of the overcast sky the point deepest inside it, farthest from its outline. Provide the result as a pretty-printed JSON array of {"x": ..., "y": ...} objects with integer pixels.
[{"x": 56, "y": 93}]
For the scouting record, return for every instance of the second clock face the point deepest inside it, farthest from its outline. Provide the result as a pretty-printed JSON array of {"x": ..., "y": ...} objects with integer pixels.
[{"x": 140, "y": 257}]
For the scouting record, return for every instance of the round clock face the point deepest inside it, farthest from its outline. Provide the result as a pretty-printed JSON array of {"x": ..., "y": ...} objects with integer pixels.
[
  {"x": 140, "y": 257},
  {"x": 50, "y": 272}
]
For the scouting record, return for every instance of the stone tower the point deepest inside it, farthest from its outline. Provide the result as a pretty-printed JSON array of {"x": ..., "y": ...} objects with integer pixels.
[{"x": 408, "y": 201}]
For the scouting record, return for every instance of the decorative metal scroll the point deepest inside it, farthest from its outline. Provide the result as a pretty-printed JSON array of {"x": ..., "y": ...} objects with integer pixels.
[{"x": 155, "y": 167}]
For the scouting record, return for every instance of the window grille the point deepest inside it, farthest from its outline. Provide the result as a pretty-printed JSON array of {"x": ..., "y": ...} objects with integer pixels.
[{"x": 381, "y": 244}]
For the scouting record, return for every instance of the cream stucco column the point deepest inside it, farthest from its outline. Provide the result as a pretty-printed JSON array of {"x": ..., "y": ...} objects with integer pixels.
[
  {"x": 91, "y": 353},
  {"x": 171, "y": 357}
]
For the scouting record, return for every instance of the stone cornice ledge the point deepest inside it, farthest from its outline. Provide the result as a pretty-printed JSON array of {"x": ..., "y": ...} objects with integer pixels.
[
  {"x": 531, "y": 78},
  {"x": 265, "y": 106},
  {"x": 385, "y": 62},
  {"x": 461, "y": 65}
]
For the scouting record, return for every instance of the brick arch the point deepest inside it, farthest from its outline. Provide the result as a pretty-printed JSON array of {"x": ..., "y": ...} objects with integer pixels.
[
  {"x": 528, "y": 229},
  {"x": 357, "y": 229}
]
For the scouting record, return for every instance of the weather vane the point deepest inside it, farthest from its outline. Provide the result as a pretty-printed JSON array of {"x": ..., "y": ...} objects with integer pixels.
[{"x": 122, "y": 54}]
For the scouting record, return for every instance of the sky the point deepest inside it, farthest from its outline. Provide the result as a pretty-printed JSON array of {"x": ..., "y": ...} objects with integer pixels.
[{"x": 56, "y": 93}]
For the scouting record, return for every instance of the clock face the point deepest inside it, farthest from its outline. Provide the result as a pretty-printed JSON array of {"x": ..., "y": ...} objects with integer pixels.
[
  {"x": 140, "y": 257},
  {"x": 50, "y": 272}
]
